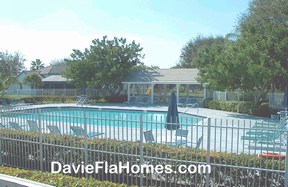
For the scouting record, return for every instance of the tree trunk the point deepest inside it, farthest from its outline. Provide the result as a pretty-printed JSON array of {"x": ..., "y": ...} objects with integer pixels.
[{"x": 117, "y": 93}]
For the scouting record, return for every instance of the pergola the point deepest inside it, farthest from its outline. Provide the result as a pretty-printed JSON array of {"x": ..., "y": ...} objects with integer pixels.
[{"x": 163, "y": 77}]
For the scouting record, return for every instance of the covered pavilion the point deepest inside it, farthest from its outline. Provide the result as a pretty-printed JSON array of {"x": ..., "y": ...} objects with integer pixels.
[{"x": 156, "y": 84}]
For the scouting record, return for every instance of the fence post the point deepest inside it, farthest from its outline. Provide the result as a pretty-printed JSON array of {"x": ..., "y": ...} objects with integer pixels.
[
  {"x": 286, "y": 162},
  {"x": 208, "y": 152},
  {"x": 40, "y": 140},
  {"x": 1, "y": 149},
  {"x": 85, "y": 143},
  {"x": 141, "y": 148}
]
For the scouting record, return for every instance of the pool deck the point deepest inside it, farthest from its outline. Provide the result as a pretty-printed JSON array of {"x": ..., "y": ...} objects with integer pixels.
[
  {"x": 204, "y": 112},
  {"x": 226, "y": 127}
]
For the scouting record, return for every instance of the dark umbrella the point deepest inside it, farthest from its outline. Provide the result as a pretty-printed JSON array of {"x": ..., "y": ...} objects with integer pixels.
[
  {"x": 285, "y": 104},
  {"x": 172, "y": 118}
]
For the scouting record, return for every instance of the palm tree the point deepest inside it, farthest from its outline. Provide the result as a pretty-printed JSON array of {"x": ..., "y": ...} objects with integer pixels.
[{"x": 37, "y": 64}]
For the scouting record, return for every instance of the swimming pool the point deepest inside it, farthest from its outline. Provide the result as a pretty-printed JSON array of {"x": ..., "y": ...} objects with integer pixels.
[{"x": 105, "y": 117}]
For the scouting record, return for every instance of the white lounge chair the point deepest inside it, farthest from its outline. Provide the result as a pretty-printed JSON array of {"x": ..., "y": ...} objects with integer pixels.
[
  {"x": 181, "y": 135},
  {"x": 53, "y": 129},
  {"x": 79, "y": 131},
  {"x": 149, "y": 138},
  {"x": 2, "y": 126},
  {"x": 33, "y": 125},
  {"x": 16, "y": 126}
]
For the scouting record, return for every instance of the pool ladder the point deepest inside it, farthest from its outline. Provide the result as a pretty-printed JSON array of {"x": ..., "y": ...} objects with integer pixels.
[{"x": 82, "y": 100}]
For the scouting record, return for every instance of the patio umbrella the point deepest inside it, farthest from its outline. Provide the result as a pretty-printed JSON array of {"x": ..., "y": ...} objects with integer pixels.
[
  {"x": 172, "y": 118},
  {"x": 285, "y": 104}
]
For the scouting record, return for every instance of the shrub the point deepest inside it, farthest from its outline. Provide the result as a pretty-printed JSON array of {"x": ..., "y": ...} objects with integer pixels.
[
  {"x": 49, "y": 99},
  {"x": 264, "y": 111},
  {"x": 21, "y": 147},
  {"x": 109, "y": 99},
  {"x": 245, "y": 107},
  {"x": 58, "y": 180},
  {"x": 116, "y": 99}
]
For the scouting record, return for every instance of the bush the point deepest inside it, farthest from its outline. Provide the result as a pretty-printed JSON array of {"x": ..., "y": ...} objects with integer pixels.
[
  {"x": 21, "y": 147},
  {"x": 58, "y": 180},
  {"x": 50, "y": 99},
  {"x": 108, "y": 99},
  {"x": 116, "y": 99},
  {"x": 264, "y": 111},
  {"x": 72, "y": 99},
  {"x": 245, "y": 107}
]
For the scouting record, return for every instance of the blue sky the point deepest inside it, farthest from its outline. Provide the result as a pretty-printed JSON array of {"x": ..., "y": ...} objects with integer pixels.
[{"x": 50, "y": 29}]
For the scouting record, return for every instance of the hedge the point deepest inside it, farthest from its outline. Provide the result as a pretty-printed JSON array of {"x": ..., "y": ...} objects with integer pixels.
[
  {"x": 245, "y": 107},
  {"x": 26, "y": 155},
  {"x": 72, "y": 99},
  {"x": 58, "y": 180},
  {"x": 50, "y": 99}
]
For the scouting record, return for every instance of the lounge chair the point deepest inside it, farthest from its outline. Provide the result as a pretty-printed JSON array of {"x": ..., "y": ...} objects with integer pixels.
[
  {"x": 181, "y": 138},
  {"x": 149, "y": 138},
  {"x": 181, "y": 135},
  {"x": 2, "y": 126},
  {"x": 33, "y": 125},
  {"x": 198, "y": 143},
  {"x": 264, "y": 135},
  {"x": 266, "y": 125},
  {"x": 267, "y": 130},
  {"x": 16, "y": 126},
  {"x": 79, "y": 131},
  {"x": 53, "y": 129}
]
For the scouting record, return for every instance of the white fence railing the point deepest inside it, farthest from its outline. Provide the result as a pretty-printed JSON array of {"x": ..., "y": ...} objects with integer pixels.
[
  {"x": 225, "y": 96},
  {"x": 58, "y": 92},
  {"x": 42, "y": 92},
  {"x": 276, "y": 100}
]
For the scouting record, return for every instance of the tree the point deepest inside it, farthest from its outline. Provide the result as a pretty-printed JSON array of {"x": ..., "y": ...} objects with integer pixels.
[
  {"x": 188, "y": 57},
  {"x": 34, "y": 80},
  {"x": 266, "y": 23},
  {"x": 257, "y": 58},
  {"x": 10, "y": 67},
  {"x": 37, "y": 64},
  {"x": 57, "y": 62},
  {"x": 106, "y": 63},
  {"x": 239, "y": 67}
]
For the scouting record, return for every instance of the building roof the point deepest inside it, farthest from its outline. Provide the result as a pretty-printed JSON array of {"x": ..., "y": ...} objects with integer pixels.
[
  {"x": 43, "y": 71},
  {"x": 54, "y": 78},
  {"x": 164, "y": 76},
  {"x": 57, "y": 69},
  {"x": 52, "y": 70}
]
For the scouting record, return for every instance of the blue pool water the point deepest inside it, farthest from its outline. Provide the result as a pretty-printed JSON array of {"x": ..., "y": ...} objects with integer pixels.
[{"x": 106, "y": 117}]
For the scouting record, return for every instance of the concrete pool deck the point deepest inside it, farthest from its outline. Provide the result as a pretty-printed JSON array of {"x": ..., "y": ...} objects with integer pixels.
[
  {"x": 204, "y": 112},
  {"x": 225, "y": 132}
]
